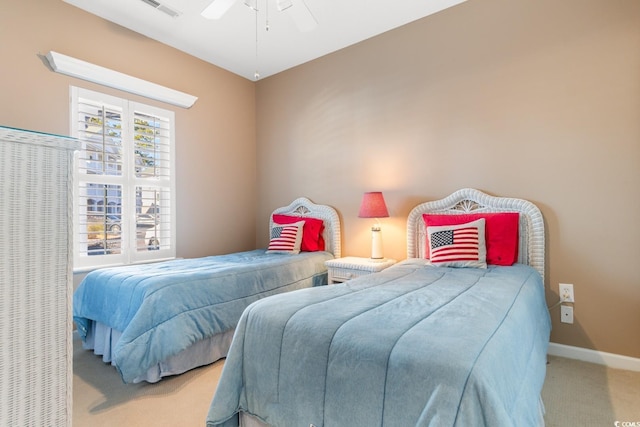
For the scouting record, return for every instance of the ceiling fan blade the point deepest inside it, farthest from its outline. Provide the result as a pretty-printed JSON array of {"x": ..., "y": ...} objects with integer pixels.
[
  {"x": 284, "y": 4},
  {"x": 251, "y": 4},
  {"x": 302, "y": 16},
  {"x": 217, "y": 8}
]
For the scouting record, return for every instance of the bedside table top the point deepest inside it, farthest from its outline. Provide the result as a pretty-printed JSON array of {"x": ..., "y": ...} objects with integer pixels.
[{"x": 358, "y": 263}]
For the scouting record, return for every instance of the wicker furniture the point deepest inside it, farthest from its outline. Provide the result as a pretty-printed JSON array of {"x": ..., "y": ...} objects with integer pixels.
[
  {"x": 36, "y": 278},
  {"x": 469, "y": 200},
  {"x": 347, "y": 268},
  {"x": 209, "y": 340},
  {"x": 339, "y": 310}
]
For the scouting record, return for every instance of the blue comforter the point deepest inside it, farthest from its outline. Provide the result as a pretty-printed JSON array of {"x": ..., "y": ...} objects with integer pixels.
[
  {"x": 413, "y": 345},
  {"x": 163, "y": 308}
]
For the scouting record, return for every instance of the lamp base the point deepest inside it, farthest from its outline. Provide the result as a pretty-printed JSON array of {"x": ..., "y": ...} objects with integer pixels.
[{"x": 376, "y": 244}]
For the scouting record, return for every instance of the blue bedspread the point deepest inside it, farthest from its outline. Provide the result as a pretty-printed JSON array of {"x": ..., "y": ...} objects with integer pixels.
[
  {"x": 413, "y": 345},
  {"x": 163, "y": 308}
]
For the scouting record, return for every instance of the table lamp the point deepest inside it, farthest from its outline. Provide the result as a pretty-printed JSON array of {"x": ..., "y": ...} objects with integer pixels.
[{"x": 373, "y": 206}]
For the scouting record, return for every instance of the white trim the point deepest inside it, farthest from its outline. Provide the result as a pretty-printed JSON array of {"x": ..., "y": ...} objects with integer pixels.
[
  {"x": 616, "y": 361},
  {"x": 94, "y": 73},
  {"x": 127, "y": 181}
]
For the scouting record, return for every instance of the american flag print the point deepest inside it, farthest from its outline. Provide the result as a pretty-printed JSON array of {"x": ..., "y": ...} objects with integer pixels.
[
  {"x": 284, "y": 238},
  {"x": 455, "y": 245}
]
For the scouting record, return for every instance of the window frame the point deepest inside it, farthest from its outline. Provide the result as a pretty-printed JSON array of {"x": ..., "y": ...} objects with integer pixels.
[{"x": 130, "y": 184}]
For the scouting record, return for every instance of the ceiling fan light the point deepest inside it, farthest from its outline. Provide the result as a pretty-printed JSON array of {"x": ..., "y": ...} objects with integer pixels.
[
  {"x": 216, "y": 9},
  {"x": 284, "y": 4}
]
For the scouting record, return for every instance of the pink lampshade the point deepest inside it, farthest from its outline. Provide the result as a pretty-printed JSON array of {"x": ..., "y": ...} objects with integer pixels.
[{"x": 373, "y": 206}]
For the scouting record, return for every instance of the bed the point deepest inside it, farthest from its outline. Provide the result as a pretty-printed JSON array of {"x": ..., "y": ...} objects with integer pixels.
[
  {"x": 426, "y": 342},
  {"x": 159, "y": 319}
]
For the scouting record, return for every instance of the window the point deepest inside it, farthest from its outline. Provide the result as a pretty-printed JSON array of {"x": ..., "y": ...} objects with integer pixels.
[{"x": 124, "y": 187}]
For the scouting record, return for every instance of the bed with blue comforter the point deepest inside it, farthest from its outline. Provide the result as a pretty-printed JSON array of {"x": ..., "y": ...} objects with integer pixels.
[
  {"x": 159, "y": 319},
  {"x": 414, "y": 345}
]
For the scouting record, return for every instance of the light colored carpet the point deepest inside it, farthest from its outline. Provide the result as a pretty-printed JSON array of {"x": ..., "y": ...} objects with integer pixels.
[
  {"x": 575, "y": 394},
  {"x": 101, "y": 399}
]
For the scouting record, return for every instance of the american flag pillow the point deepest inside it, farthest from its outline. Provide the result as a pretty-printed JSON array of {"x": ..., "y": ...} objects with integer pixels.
[
  {"x": 461, "y": 245},
  {"x": 286, "y": 238}
]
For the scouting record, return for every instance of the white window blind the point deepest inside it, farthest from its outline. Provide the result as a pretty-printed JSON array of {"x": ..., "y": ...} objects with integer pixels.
[{"x": 124, "y": 201}]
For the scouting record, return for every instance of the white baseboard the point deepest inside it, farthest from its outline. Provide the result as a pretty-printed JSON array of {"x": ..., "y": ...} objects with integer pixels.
[{"x": 610, "y": 360}]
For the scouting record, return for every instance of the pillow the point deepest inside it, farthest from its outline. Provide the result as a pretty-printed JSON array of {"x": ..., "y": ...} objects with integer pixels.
[
  {"x": 458, "y": 245},
  {"x": 285, "y": 238},
  {"x": 312, "y": 239},
  {"x": 501, "y": 233}
]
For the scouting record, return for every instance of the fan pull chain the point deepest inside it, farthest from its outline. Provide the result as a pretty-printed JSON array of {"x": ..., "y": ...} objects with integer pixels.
[{"x": 256, "y": 75}]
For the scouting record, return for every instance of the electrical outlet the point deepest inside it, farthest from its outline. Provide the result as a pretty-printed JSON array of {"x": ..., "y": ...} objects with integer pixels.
[
  {"x": 566, "y": 292},
  {"x": 566, "y": 314}
]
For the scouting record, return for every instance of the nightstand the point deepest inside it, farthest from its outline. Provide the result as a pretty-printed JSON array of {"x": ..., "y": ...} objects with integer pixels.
[{"x": 347, "y": 268}]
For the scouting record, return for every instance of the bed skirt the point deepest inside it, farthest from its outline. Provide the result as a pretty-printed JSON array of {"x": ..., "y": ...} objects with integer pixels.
[{"x": 102, "y": 340}]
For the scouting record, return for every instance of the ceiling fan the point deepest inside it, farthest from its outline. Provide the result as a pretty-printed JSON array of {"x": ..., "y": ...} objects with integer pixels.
[{"x": 297, "y": 9}]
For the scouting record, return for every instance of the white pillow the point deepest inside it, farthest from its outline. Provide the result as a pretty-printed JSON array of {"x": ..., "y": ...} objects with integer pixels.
[
  {"x": 459, "y": 245},
  {"x": 285, "y": 238}
]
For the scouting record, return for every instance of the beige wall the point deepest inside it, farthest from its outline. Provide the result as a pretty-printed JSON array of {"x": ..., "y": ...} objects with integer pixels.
[
  {"x": 215, "y": 139},
  {"x": 537, "y": 99}
]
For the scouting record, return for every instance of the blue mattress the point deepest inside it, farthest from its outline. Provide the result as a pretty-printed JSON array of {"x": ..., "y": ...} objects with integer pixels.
[
  {"x": 163, "y": 308},
  {"x": 414, "y": 345}
]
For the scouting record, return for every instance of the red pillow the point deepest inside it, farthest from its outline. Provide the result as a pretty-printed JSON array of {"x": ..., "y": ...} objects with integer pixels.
[
  {"x": 501, "y": 233},
  {"x": 312, "y": 239}
]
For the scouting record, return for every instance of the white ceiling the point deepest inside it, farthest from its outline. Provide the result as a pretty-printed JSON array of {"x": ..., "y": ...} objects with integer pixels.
[{"x": 230, "y": 42}]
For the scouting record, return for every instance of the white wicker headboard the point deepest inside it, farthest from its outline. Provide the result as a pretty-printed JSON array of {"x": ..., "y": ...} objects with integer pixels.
[
  {"x": 304, "y": 207},
  {"x": 531, "y": 231}
]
